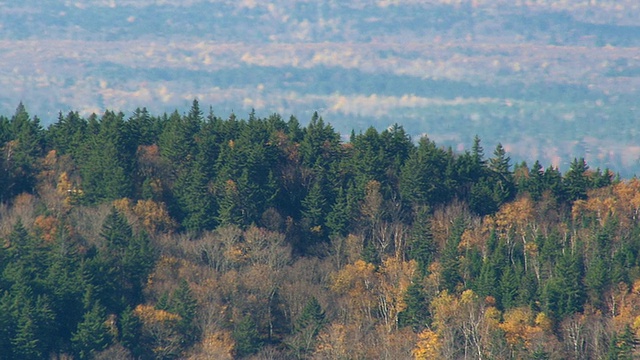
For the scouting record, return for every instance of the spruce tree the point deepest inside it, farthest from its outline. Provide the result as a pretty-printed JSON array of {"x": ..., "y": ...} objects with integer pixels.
[
  {"x": 421, "y": 245},
  {"x": 92, "y": 335},
  {"x": 246, "y": 337}
]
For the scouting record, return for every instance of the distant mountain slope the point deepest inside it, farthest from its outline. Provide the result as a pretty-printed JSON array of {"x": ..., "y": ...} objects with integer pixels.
[{"x": 550, "y": 80}]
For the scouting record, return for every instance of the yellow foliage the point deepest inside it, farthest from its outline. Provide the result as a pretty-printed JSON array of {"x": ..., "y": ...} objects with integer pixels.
[
  {"x": 122, "y": 205},
  {"x": 517, "y": 326},
  {"x": 516, "y": 215},
  {"x": 354, "y": 278},
  {"x": 394, "y": 278},
  {"x": 332, "y": 343},
  {"x": 468, "y": 296},
  {"x": 218, "y": 345},
  {"x": 428, "y": 346},
  {"x": 154, "y": 216},
  {"x": 444, "y": 308},
  {"x": 357, "y": 284},
  {"x": 544, "y": 322},
  {"x": 492, "y": 317},
  {"x": 148, "y": 314}
]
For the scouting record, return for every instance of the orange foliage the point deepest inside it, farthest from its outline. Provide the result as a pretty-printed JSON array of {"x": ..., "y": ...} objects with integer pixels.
[
  {"x": 47, "y": 227},
  {"x": 152, "y": 216}
]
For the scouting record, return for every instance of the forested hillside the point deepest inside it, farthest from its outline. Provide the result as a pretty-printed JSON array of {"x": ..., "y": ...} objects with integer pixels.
[{"x": 192, "y": 236}]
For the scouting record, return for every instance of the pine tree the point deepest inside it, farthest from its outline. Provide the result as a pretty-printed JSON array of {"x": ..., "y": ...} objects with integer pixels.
[
  {"x": 509, "y": 284},
  {"x": 422, "y": 178},
  {"x": 500, "y": 163},
  {"x": 576, "y": 182},
  {"x": 246, "y": 337},
  {"x": 416, "y": 314},
  {"x": 184, "y": 304},
  {"x": 92, "y": 334},
  {"x": 314, "y": 211},
  {"x": 422, "y": 247},
  {"x": 307, "y": 327},
  {"x": 339, "y": 216},
  {"x": 107, "y": 160},
  {"x": 450, "y": 260},
  {"x": 26, "y": 344},
  {"x": 129, "y": 329},
  {"x": 194, "y": 198}
]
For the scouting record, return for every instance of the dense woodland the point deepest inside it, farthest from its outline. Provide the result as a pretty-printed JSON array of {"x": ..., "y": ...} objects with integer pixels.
[{"x": 193, "y": 236}]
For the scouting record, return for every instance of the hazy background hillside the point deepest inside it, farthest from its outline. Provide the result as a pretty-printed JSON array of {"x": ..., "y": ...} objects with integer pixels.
[{"x": 550, "y": 80}]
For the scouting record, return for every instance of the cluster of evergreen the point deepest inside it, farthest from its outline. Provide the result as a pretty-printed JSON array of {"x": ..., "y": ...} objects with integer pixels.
[{"x": 392, "y": 233}]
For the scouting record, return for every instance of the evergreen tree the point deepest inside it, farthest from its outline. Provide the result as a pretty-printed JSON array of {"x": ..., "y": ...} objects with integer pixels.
[
  {"x": 92, "y": 334},
  {"x": 477, "y": 152},
  {"x": 421, "y": 246},
  {"x": 422, "y": 179},
  {"x": 339, "y": 216},
  {"x": 450, "y": 258},
  {"x": 26, "y": 344},
  {"x": 307, "y": 327},
  {"x": 184, "y": 304},
  {"x": 313, "y": 212},
  {"x": 576, "y": 182},
  {"x": 194, "y": 198},
  {"x": 23, "y": 145},
  {"x": 500, "y": 163},
  {"x": 108, "y": 160},
  {"x": 509, "y": 284},
  {"x": 246, "y": 337},
  {"x": 129, "y": 329},
  {"x": 68, "y": 134},
  {"x": 416, "y": 313}
]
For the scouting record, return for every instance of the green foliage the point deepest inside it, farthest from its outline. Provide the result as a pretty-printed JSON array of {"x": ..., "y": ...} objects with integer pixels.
[
  {"x": 307, "y": 327},
  {"x": 450, "y": 259},
  {"x": 184, "y": 304},
  {"x": 107, "y": 160},
  {"x": 576, "y": 182},
  {"x": 422, "y": 247},
  {"x": 56, "y": 295},
  {"x": 416, "y": 314},
  {"x": 129, "y": 330},
  {"x": 92, "y": 334},
  {"x": 247, "y": 337},
  {"x": 422, "y": 178}
]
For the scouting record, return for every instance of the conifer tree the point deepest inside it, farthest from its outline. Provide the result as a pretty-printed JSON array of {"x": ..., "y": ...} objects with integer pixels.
[
  {"x": 92, "y": 334},
  {"x": 184, "y": 304},
  {"x": 339, "y": 216},
  {"x": 308, "y": 326},
  {"x": 576, "y": 182},
  {"x": 450, "y": 258},
  {"x": 129, "y": 330},
  {"x": 421, "y": 246},
  {"x": 26, "y": 344},
  {"x": 416, "y": 314},
  {"x": 246, "y": 337}
]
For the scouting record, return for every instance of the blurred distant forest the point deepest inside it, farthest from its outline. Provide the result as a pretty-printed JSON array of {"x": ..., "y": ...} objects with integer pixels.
[
  {"x": 188, "y": 235},
  {"x": 549, "y": 80}
]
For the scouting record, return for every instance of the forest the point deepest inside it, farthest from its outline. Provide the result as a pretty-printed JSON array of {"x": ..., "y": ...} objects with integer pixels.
[{"x": 192, "y": 236}]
